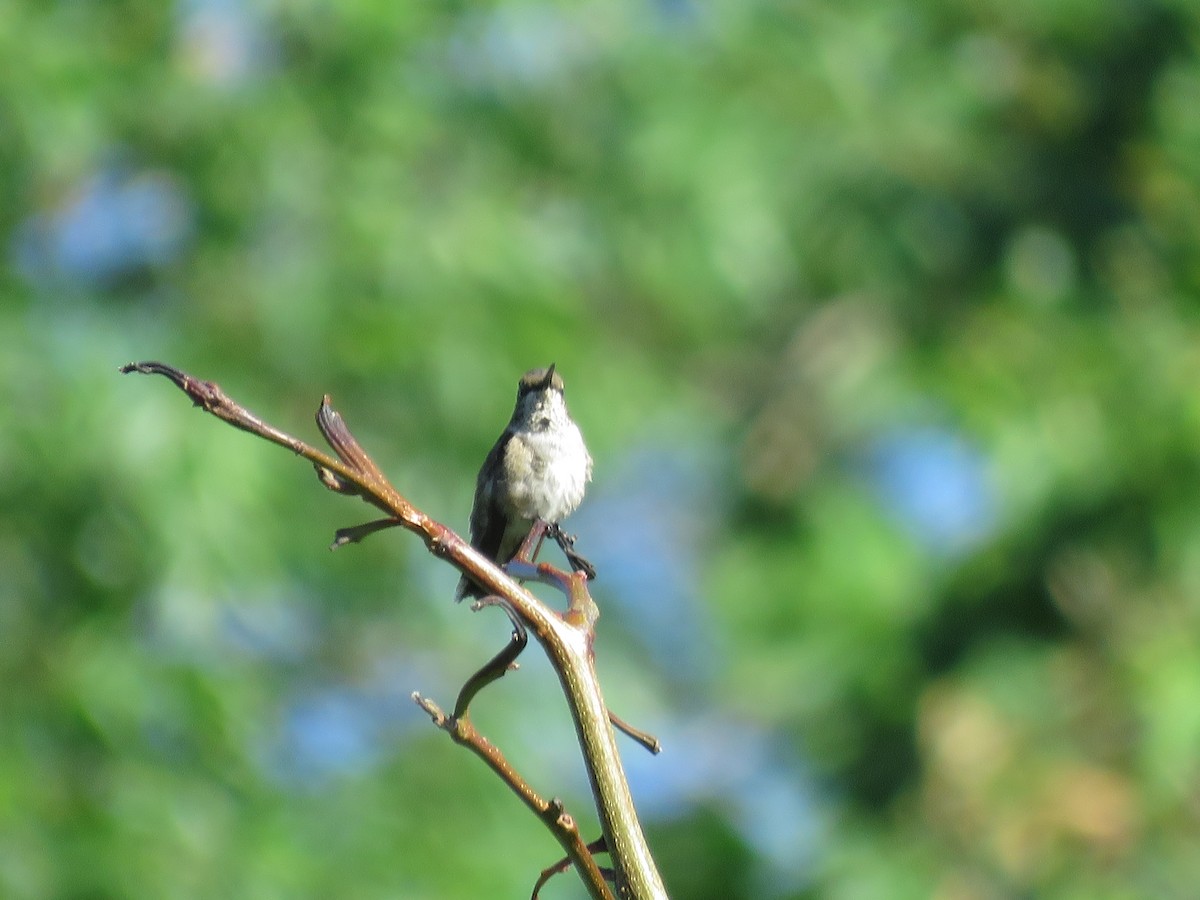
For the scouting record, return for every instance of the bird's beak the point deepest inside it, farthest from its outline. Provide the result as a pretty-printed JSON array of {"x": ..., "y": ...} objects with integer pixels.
[{"x": 549, "y": 379}]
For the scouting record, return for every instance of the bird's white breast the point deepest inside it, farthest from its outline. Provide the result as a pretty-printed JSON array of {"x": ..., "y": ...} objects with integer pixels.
[{"x": 548, "y": 471}]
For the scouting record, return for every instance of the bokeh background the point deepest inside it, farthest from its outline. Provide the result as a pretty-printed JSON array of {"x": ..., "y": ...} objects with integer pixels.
[{"x": 880, "y": 319}]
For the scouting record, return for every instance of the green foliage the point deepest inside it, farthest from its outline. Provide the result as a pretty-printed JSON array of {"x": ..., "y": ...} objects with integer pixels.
[{"x": 880, "y": 319}]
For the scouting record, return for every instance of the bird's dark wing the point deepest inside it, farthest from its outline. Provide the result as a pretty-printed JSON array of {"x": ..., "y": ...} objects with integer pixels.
[
  {"x": 487, "y": 524},
  {"x": 487, "y": 527}
]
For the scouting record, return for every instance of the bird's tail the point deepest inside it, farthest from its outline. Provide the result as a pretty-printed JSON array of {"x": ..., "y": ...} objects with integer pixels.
[{"x": 466, "y": 588}]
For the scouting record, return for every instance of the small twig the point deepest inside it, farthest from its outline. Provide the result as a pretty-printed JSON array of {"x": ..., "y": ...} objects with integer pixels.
[
  {"x": 645, "y": 738},
  {"x": 500, "y": 664},
  {"x": 597, "y": 846},
  {"x": 208, "y": 394},
  {"x": 355, "y": 533},
  {"x": 335, "y": 474},
  {"x": 551, "y": 812}
]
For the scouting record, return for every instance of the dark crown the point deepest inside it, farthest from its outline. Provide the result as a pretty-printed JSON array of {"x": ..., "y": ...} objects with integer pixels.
[{"x": 540, "y": 380}]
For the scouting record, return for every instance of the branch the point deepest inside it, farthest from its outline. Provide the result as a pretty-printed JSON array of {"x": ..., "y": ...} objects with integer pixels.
[
  {"x": 567, "y": 639},
  {"x": 551, "y": 812}
]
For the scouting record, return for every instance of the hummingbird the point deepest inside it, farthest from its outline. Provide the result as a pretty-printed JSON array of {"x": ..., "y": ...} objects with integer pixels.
[{"x": 537, "y": 471}]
